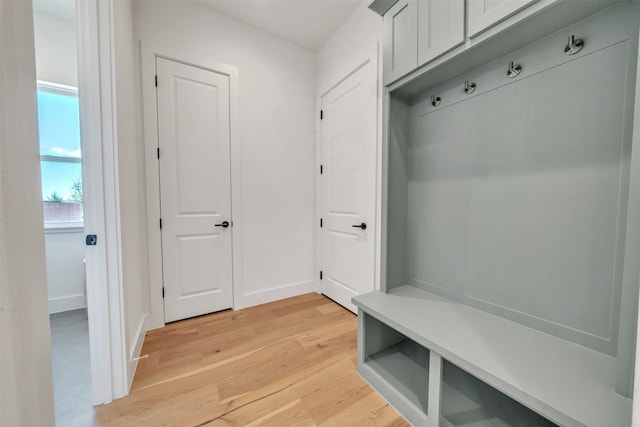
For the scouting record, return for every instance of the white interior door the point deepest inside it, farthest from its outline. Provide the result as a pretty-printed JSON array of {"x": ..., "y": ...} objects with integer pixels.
[
  {"x": 195, "y": 189},
  {"x": 348, "y": 186}
]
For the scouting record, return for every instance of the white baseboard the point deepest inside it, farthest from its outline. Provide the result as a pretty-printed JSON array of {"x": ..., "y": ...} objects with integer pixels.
[
  {"x": 274, "y": 294},
  {"x": 70, "y": 302},
  {"x": 135, "y": 351}
]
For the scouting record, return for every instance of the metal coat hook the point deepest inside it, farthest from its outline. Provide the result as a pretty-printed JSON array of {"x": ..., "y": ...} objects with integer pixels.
[
  {"x": 513, "y": 70},
  {"x": 469, "y": 87},
  {"x": 573, "y": 46},
  {"x": 435, "y": 100}
]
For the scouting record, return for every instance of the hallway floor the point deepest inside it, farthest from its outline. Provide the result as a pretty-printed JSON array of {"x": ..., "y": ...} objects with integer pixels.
[
  {"x": 290, "y": 362},
  {"x": 71, "y": 368}
]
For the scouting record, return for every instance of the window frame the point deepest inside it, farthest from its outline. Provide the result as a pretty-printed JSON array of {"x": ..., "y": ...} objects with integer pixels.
[{"x": 60, "y": 89}]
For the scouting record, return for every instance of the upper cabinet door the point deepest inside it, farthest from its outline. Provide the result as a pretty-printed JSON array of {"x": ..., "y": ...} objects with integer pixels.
[
  {"x": 400, "y": 40},
  {"x": 484, "y": 14},
  {"x": 440, "y": 27}
]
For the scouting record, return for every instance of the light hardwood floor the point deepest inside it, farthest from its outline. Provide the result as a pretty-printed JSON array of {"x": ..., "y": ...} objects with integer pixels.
[{"x": 286, "y": 363}]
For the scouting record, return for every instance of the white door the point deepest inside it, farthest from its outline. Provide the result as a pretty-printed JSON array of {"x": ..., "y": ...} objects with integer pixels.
[
  {"x": 348, "y": 186},
  {"x": 195, "y": 191}
]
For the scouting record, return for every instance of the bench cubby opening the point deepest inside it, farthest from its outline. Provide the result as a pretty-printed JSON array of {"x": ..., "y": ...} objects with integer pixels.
[
  {"x": 468, "y": 401},
  {"x": 399, "y": 366}
]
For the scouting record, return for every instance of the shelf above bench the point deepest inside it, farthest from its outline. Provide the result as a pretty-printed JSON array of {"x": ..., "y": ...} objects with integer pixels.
[{"x": 567, "y": 383}]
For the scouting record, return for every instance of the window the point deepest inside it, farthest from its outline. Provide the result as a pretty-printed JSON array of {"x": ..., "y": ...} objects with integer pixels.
[{"x": 60, "y": 154}]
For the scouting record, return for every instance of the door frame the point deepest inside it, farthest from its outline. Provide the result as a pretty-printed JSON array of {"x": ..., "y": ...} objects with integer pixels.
[
  {"x": 152, "y": 171},
  {"x": 372, "y": 55},
  {"x": 96, "y": 93}
]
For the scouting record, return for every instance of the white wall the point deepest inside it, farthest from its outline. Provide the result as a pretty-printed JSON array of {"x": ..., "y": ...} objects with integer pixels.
[
  {"x": 56, "y": 52},
  {"x": 131, "y": 177},
  {"x": 277, "y": 98},
  {"x": 65, "y": 269},
  {"x": 26, "y": 386},
  {"x": 361, "y": 32}
]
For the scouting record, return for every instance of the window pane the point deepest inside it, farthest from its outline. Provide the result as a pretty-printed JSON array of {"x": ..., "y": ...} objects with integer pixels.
[
  {"x": 59, "y": 127},
  {"x": 59, "y": 124},
  {"x": 62, "y": 191}
]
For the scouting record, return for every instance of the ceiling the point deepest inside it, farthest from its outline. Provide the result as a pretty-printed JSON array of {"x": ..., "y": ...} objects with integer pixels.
[{"x": 307, "y": 23}]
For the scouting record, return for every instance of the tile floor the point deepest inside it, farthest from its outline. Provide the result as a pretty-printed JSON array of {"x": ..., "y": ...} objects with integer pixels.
[{"x": 71, "y": 369}]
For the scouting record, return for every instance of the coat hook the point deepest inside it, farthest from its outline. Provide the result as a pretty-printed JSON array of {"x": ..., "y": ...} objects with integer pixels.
[
  {"x": 435, "y": 100},
  {"x": 469, "y": 87},
  {"x": 573, "y": 46},
  {"x": 513, "y": 70}
]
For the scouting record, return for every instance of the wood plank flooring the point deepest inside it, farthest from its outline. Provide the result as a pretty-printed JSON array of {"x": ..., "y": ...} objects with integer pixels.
[{"x": 286, "y": 363}]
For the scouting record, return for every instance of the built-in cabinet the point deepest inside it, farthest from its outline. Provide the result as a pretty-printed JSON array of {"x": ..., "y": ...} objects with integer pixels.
[
  {"x": 510, "y": 246},
  {"x": 400, "y": 43},
  {"x": 484, "y": 14},
  {"x": 440, "y": 27},
  {"x": 417, "y": 31}
]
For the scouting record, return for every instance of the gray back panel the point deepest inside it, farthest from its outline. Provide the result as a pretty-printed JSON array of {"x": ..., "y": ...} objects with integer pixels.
[
  {"x": 518, "y": 197},
  {"x": 397, "y": 193}
]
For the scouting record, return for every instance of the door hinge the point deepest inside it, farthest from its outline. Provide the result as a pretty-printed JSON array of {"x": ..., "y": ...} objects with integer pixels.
[
  {"x": 320, "y": 274},
  {"x": 321, "y": 115},
  {"x": 161, "y": 223},
  {"x": 156, "y": 80},
  {"x": 163, "y": 292},
  {"x": 320, "y": 222},
  {"x": 321, "y": 169},
  {"x": 158, "y": 152}
]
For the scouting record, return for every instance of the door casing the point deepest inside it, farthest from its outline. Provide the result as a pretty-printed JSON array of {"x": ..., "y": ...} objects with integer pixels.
[
  {"x": 195, "y": 190},
  {"x": 372, "y": 54},
  {"x": 150, "y": 120},
  {"x": 96, "y": 82}
]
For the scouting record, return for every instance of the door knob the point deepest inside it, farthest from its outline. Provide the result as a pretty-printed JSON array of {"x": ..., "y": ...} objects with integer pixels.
[
  {"x": 362, "y": 226},
  {"x": 223, "y": 224}
]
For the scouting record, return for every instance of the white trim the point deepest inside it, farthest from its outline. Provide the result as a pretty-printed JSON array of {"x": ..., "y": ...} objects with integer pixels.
[
  {"x": 372, "y": 56},
  {"x": 70, "y": 302},
  {"x": 152, "y": 174},
  {"x": 236, "y": 187},
  {"x": 319, "y": 192},
  {"x": 318, "y": 199},
  {"x": 90, "y": 124},
  {"x": 264, "y": 296},
  {"x": 101, "y": 214},
  {"x": 63, "y": 227},
  {"x": 57, "y": 88},
  {"x": 379, "y": 133},
  {"x": 134, "y": 355},
  {"x": 150, "y": 118},
  {"x": 111, "y": 187},
  {"x": 59, "y": 159}
]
